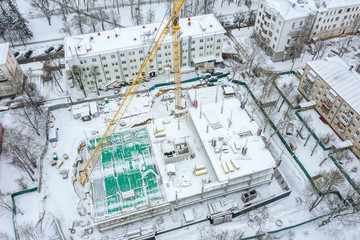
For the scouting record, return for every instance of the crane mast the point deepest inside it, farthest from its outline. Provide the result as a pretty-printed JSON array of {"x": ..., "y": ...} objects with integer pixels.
[
  {"x": 173, "y": 24},
  {"x": 176, "y": 57}
]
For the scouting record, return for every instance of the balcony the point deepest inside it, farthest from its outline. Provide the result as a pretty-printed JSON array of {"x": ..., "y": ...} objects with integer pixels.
[
  {"x": 326, "y": 107},
  {"x": 345, "y": 119},
  {"x": 294, "y": 33},
  {"x": 331, "y": 95}
]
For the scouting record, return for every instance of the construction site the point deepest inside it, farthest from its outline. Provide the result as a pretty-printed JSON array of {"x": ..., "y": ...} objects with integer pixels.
[
  {"x": 184, "y": 153},
  {"x": 207, "y": 163}
]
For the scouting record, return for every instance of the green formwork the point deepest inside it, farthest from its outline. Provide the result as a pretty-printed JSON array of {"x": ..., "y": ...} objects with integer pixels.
[{"x": 128, "y": 159}]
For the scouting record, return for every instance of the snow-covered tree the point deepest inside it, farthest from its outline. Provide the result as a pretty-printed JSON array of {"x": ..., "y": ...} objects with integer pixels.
[
  {"x": 150, "y": 15},
  {"x": 46, "y": 7}
]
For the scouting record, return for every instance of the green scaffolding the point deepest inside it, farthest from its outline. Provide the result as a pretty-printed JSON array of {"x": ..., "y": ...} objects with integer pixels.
[{"x": 127, "y": 165}]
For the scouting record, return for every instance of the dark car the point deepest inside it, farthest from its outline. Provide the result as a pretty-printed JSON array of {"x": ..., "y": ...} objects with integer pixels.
[
  {"x": 28, "y": 53},
  {"x": 60, "y": 48},
  {"x": 16, "y": 54},
  {"x": 49, "y": 49}
]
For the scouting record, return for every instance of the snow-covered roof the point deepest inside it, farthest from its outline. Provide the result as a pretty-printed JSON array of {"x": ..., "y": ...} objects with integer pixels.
[
  {"x": 345, "y": 82},
  {"x": 204, "y": 59},
  {"x": 136, "y": 37},
  {"x": 292, "y": 9},
  {"x": 4, "y": 48},
  {"x": 288, "y": 9},
  {"x": 80, "y": 108}
]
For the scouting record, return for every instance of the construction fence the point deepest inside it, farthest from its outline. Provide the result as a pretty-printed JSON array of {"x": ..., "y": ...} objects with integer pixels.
[
  {"x": 354, "y": 186},
  {"x": 14, "y": 208}
]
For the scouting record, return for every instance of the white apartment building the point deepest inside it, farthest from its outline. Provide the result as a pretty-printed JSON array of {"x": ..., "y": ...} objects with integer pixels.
[
  {"x": 10, "y": 72},
  {"x": 116, "y": 56},
  {"x": 335, "y": 87},
  {"x": 279, "y": 23}
]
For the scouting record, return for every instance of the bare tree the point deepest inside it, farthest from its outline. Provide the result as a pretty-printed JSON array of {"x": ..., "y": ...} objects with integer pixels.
[
  {"x": 45, "y": 6},
  {"x": 5, "y": 201},
  {"x": 150, "y": 15},
  {"x": 114, "y": 18},
  {"x": 21, "y": 151},
  {"x": 286, "y": 90},
  {"x": 78, "y": 77},
  {"x": 29, "y": 118},
  {"x": 79, "y": 22},
  {"x": 307, "y": 120},
  {"x": 138, "y": 17},
  {"x": 94, "y": 73},
  {"x": 327, "y": 183},
  {"x": 253, "y": 53},
  {"x": 66, "y": 26},
  {"x": 257, "y": 218},
  {"x": 22, "y": 183},
  {"x": 103, "y": 16}
]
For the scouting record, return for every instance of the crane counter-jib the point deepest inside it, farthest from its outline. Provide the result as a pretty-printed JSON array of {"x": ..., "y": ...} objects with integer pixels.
[{"x": 101, "y": 145}]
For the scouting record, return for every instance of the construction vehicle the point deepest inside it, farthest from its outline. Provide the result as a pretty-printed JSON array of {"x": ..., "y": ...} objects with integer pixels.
[{"x": 171, "y": 25}]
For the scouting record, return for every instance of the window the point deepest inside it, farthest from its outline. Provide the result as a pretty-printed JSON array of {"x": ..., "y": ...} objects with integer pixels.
[
  {"x": 117, "y": 77},
  {"x": 85, "y": 61},
  {"x": 123, "y": 62},
  {"x": 344, "y": 105},
  {"x": 141, "y": 59},
  {"x": 108, "y": 79},
  {"x": 193, "y": 42},
  {"x": 340, "y": 11},
  {"x": 201, "y": 40},
  {"x": 141, "y": 51},
  {"x": 160, "y": 62},
  {"x": 218, "y": 47},
  {"x": 96, "y": 67},
  {"x": 103, "y": 58},
  {"x": 93, "y": 60},
  {"x": 125, "y": 69},
  {"x": 301, "y": 23},
  {"x": 349, "y": 130},
  {"x": 357, "y": 119},
  {"x": 107, "y": 72},
  {"x": 192, "y": 49},
  {"x": 201, "y": 48},
  {"x": 126, "y": 75},
  {"x": 293, "y": 25},
  {"x": 112, "y": 56},
  {"x": 122, "y": 55},
  {"x": 98, "y": 74},
  {"x": 105, "y": 65},
  {"x": 84, "y": 69},
  {"x": 201, "y": 54},
  {"x": 337, "y": 18},
  {"x": 116, "y": 70},
  {"x": 87, "y": 68}
]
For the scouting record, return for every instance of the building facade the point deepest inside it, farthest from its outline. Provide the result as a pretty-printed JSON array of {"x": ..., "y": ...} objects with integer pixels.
[
  {"x": 335, "y": 87},
  {"x": 281, "y": 25},
  {"x": 116, "y": 56},
  {"x": 11, "y": 74}
]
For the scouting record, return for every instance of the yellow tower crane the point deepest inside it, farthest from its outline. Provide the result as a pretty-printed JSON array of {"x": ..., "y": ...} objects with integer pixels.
[{"x": 173, "y": 24}]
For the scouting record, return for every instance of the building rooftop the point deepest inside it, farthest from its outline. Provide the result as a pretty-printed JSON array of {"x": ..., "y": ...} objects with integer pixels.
[
  {"x": 292, "y": 9},
  {"x": 226, "y": 158},
  {"x": 345, "y": 82},
  {"x": 3, "y": 52},
  {"x": 136, "y": 37}
]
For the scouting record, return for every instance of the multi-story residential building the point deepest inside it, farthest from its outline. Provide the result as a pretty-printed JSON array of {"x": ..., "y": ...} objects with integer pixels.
[
  {"x": 11, "y": 74},
  {"x": 281, "y": 24},
  {"x": 117, "y": 55},
  {"x": 335, "y": 87}
]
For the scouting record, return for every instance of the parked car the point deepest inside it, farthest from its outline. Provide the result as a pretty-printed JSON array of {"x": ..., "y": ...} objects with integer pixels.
[
  {"x": 242, "y": 24},
  {"x": 16, "y": 54},
  {"x": 49, "y": 49},
  {"x": 28, "y": 53},
  {"x": 60, "y": 48}
]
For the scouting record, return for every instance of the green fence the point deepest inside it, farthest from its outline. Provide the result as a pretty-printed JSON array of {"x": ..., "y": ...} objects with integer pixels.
[
  {"x": 280, "y": 136},
  {"x": 356, "y": 188},
  {"x": 187, "y": 81},
  {"x": 13, "y": 195}
]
